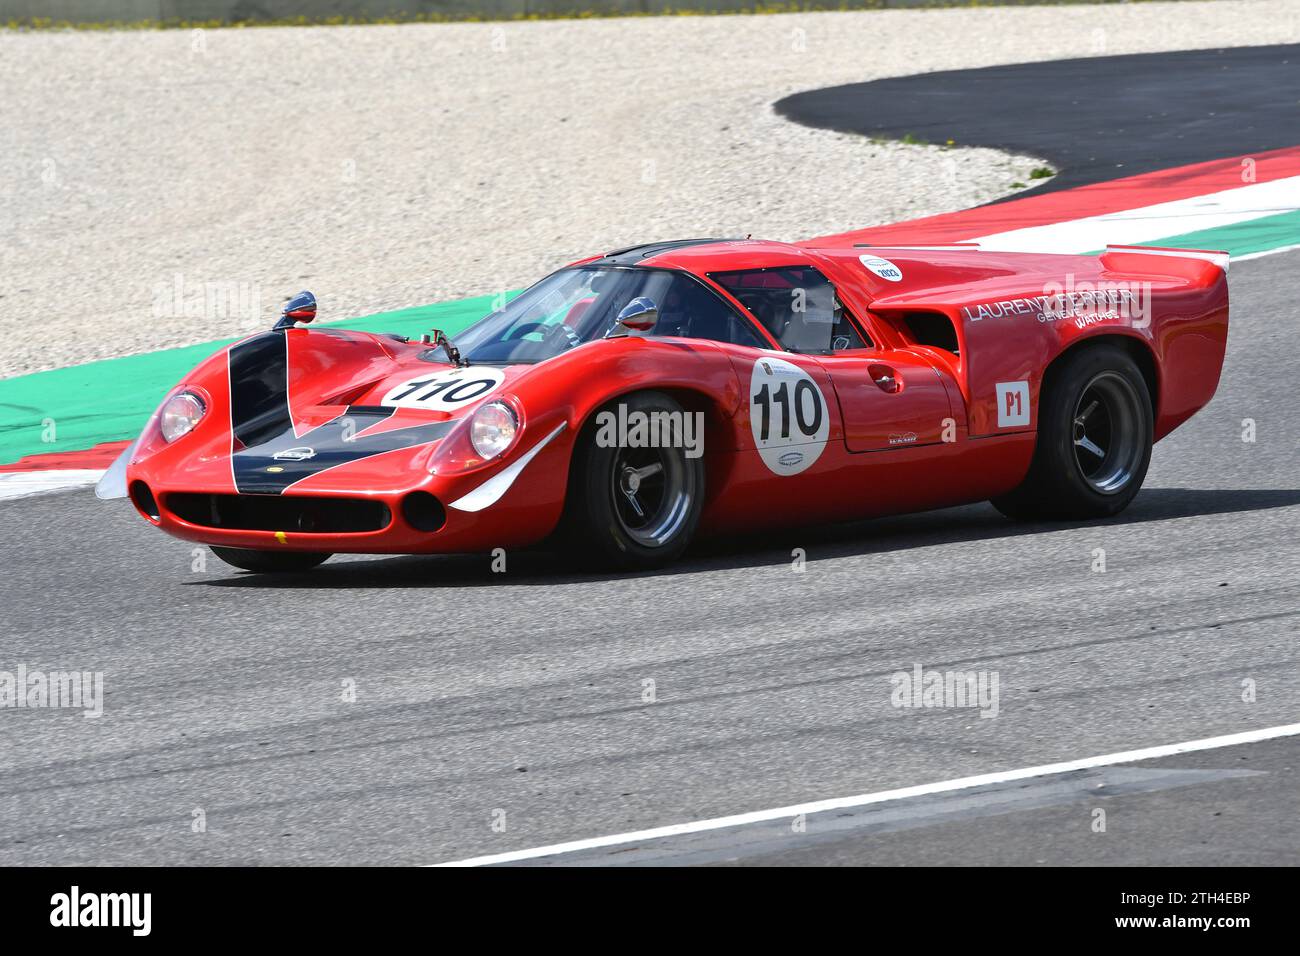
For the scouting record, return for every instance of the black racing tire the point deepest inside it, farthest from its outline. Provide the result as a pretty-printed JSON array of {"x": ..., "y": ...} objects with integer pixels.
[
  {"x": 609, "y": 484},
  {"x": 270, "y": 562},
  {"x": 1095, "y": 427}
]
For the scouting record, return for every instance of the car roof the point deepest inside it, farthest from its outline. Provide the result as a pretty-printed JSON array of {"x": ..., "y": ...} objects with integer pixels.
[
  {"x": 943, "y": 270},
  {"x": 709, "y": 255}
]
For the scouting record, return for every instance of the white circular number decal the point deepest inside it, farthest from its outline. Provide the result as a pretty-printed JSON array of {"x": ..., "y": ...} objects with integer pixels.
[
  {"x": 788, "y": 416},
  {"x": 445, "y": 391},
  {"x": 882, "y": 267}
]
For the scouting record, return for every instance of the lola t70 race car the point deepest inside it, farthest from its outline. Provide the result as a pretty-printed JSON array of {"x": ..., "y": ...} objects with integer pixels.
[{"x": 633, "y": 400}]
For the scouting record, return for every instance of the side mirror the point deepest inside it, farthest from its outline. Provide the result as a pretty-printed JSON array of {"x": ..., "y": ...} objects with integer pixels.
[
  {"x": 301, "y": 308},
  {"x": 639, "y": 315}
]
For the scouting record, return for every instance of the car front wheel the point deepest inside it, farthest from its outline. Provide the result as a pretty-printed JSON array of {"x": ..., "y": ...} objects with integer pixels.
[{"x": 636, "y": 507}]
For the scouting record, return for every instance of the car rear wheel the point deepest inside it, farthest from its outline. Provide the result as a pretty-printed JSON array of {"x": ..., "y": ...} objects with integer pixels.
[
  {"x": 637, "y": 507},
  {"x": 270, "y": 562},
  {"x": 1094, "y": 440}
]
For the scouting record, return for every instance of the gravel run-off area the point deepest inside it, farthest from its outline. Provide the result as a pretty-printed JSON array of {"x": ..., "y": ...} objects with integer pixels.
[{"x": 164, "y": 188}]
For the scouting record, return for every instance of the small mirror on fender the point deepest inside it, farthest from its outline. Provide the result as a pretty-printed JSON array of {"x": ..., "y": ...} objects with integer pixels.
[{"x": 301, "y": 308}]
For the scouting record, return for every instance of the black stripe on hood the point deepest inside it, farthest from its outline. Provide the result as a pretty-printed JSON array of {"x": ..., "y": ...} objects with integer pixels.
[
  {"x": 259, "y": 388},
  {"x": 338, "y": 442},
  {"x": 273, "y": 457}
]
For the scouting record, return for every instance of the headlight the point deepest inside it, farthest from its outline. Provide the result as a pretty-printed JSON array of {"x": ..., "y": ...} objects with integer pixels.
[
  {"x": 180, "y": 414},
  {"x": 493, "y": 429}
]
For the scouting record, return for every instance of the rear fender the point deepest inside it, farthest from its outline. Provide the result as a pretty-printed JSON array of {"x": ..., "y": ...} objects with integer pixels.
[{"x": 1172, "y": 308}]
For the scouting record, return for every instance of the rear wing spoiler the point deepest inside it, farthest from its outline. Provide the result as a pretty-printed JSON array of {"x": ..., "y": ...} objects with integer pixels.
[
  {"x": 928, "y": 247},
  {"x": 1217, "y": 258},
  {"x": 1213, "y": 256}
]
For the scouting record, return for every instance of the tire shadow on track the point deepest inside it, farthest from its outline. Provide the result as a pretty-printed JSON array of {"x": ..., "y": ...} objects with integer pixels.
[{"x": 875, "y": 536}]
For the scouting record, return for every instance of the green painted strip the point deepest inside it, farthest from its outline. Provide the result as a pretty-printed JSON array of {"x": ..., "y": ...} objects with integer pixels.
[
  {"x": 1256, "y": 235},
  {"x": 1239, "y": 239},
  {"x": 110, "y": 400}
]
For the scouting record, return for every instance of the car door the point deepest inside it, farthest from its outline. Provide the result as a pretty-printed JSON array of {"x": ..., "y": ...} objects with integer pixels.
[
  {"x": 887, "y": 398},
  {"x": 890, "y": 399}
]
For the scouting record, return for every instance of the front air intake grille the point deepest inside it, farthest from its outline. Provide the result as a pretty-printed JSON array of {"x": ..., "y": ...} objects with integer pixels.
[
  {"x": 423, "y": 511},
  {"x": 280, "y": 513},
  {"x": 144, "y": 500}
]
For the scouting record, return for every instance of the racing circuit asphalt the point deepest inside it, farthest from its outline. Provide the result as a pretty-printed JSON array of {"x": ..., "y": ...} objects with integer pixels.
[
  {"x": 1094, "y": 118},
  {"x": 523, "y": 692}
]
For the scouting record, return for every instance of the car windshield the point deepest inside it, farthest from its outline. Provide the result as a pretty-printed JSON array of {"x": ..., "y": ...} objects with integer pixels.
[{"x": 581, "y": 304}]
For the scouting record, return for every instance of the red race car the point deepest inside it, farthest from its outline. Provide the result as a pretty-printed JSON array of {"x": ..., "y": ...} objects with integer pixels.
[{"x": 633, "y": 400}]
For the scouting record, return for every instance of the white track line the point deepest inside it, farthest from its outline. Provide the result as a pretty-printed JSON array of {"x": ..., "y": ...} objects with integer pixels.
[
  {"x": 841, "y": 803},
  {"x": 26, "y": 484}
]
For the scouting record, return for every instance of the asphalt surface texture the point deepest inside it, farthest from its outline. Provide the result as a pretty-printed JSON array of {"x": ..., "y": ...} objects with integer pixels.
[
  {"x": 425, "y": 709},
  {"x": 1200, "y": 809},
  {"x": 1095, "y": 119}
]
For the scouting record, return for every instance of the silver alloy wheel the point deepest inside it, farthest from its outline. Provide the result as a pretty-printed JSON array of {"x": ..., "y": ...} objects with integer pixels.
[
  {"x": 653, "y": 489},
  {"x": 1107, "y": 433}
]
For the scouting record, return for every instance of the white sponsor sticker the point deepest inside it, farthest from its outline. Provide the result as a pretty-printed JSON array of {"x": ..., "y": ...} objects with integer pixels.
[
  {"x": 882, "y": 267},
  {"x": 788, "y": 416},
  {"x": 1013, "y": 404},
  {"x": 447, "y": 390}
]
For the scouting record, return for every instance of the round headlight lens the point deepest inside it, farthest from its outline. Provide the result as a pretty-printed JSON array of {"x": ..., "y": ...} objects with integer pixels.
[
  {"x": 180, "y": 414},
  {"x": 493, "y": 429}
]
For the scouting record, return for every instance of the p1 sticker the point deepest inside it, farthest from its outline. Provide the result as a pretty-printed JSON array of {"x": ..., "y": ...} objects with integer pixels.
[
  {"x": 788, "y": 416},
  {"x": 1013, "y": 404},
  {"x": 445, "y": 391},
  {"x": 882, "y": 267}
]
